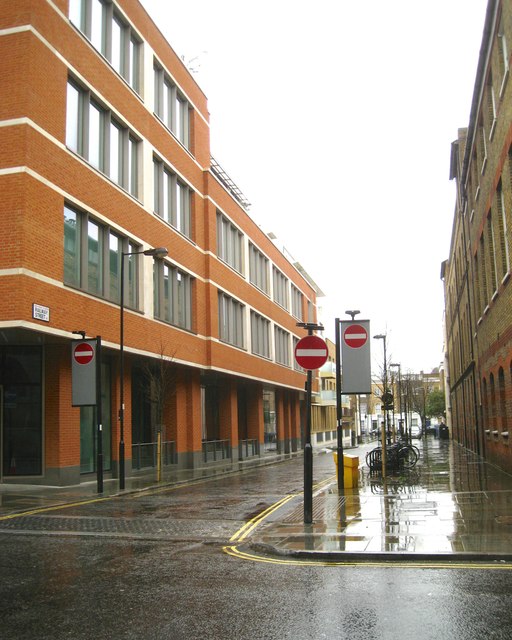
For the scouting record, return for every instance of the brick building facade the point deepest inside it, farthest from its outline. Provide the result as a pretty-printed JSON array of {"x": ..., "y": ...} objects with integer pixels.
[
  {"x": 476, "y": 276},
  {"x": 105, "y": 154}
]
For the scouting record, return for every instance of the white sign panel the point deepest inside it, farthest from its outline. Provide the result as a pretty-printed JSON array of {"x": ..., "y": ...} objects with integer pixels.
[
  {"x": 39, "y": 312},
  {"x": 355, "y": 356},
  {"x": 83, "y": 372}
]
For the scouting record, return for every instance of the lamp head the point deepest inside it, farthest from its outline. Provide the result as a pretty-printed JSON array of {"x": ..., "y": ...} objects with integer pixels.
[{"x": 157, "y": 252}]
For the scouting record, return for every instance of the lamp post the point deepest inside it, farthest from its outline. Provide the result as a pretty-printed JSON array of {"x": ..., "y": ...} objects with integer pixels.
[
  {"x": 397, "y": 365},
  {"x": 308, "y": 449},
  {"x": 159, "y": 252},
  {"x": 382, "y": 336}
]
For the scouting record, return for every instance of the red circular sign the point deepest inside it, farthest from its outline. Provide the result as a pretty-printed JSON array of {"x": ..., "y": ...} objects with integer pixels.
[
  {"x": 355, "y": 336},
  {"x": 83, "y": 353},
  {"x": 311, "y": 352}
]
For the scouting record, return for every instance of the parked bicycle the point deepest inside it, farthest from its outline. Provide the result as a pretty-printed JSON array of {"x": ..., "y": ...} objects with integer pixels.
[{"x": 399, "y": 455}]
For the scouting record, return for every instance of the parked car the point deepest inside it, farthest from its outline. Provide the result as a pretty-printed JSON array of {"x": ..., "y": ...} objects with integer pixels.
[{"x": 416, "y": 431}]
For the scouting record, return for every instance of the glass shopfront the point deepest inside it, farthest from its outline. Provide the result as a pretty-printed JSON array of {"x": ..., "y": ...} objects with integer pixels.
[{"x": 21, "y": 410}]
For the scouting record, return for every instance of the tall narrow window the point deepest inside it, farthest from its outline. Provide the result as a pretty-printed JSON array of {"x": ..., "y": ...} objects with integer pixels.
[
  {"x": 72, "y": 252},
  {"x": 94, "y": 258},
  {"x": 482, "y": 146},
  {"x": 229, "y": 243},
  {"x": 280, "y": 285},
  {"x": 503, "y": 232},
  {"x": 297, "y": 303},
  {"x": 231, "y": 320},
  {"x": 282, "y": 346},
  {"x": 171, "y": 106},
  {"x": 172, "y": 198},
  {"x": 478, "y": 287},
  {"x": 109, "y": 34},
  {"x": 98, "y": 25},
  {"x": 483, "y": 275},
  {"x": 115, "y": 153},
  {"x": 492, "y": 253},
  {"x": 114, "y": 256},
  {"x": 491, "y": 106},
  {"x": 173, "y": 295},
  {"x": 94, "y": 133},
  {"x": 258, "y": 268},
  {"x": 72, "y": 117},
  {"x": 260, "y": 340},
  {"x": 502, "y": 57}
]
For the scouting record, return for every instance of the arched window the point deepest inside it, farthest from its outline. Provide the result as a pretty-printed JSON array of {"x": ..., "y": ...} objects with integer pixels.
[
  {"x": 491, "y": 407},
  {"x": 503, "y": 403},
  {"x": 485, "y": 405}
]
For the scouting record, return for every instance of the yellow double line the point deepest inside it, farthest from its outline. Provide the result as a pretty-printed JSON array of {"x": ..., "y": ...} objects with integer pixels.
[{"x": 248, "y": 527}]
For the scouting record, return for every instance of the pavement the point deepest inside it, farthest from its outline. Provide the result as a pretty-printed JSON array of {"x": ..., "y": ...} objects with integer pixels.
[{"x": 452, "y": 506}]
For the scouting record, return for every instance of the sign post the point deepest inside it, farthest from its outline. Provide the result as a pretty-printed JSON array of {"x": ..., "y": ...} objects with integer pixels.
[{"x": 310, "y": 353}]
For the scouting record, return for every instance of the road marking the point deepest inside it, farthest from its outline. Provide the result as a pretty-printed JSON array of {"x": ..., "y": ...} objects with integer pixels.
[
  {"x": 238, "y": 537},
  {"x": 249, "y": 526},
  {"x": 55, "y": 507},
  {"x": 297, "y": 562}
]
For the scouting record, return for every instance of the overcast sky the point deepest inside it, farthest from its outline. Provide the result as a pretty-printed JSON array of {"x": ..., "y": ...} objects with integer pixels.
[{"x": 335, "y": 119}]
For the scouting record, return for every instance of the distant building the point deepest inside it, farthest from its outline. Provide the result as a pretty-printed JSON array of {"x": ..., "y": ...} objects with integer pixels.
[
  {"x": 106, "y": 155},
  {"x": 478, "y": 294}
]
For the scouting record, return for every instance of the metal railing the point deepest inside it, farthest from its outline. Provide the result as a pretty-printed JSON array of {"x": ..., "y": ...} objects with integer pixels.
[
  {"x": 144, "y": 454},
  {"x": 214, "y": 450},
  {"x": 248, "y": 448}
]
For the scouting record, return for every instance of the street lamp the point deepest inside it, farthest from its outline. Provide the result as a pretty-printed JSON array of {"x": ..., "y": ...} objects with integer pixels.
[
  {"x": 159, "y": 252},
  {"x": 353, "y": 313},
  {"x": 382, "y": 336}
]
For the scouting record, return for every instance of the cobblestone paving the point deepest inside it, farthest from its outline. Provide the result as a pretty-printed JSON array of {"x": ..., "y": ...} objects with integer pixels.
[{"x": 125, "y": 527}]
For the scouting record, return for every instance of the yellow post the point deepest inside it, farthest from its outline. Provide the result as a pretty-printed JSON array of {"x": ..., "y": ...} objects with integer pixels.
[{"x": 350, "y": 470}]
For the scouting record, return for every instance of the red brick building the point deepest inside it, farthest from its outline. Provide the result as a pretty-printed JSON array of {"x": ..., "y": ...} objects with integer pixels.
[
  {"x": 477, "y": 274},
  {"x": 105, "y": 154}
]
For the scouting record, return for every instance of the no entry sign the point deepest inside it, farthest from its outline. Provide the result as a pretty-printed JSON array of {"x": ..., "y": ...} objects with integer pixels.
[
  {"x": 311, "y": 352},
  {"x": 83, "y": 353},
  {"x": 355, "y": 336}
]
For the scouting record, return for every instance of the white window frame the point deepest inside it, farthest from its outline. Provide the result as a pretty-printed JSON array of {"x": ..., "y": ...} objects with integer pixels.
[
  {"x": 230, "y": 242},
  {"x": 123, "y": 53},
  {"x": 231, "y": 320},
  {"x": 80, "y": 138}
]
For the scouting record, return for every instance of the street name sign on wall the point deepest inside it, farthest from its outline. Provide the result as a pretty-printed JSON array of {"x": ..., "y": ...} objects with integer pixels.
[
  {"x": 311, "y": 352},
  {"x": 83, "y": 373},
  {"x": 355, "y": 356}
]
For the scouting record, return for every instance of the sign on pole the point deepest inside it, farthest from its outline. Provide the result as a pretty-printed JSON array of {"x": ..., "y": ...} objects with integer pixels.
[
  {"x": 83, "y": 373},
  {"x": 311, "y": 352},
  {"x": 355, "y": 356}
]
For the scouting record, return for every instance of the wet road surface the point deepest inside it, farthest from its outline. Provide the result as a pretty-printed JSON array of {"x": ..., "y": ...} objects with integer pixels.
[{"x": 152, "y": 565}]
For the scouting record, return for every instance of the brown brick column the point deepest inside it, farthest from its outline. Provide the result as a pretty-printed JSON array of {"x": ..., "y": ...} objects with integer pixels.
[
  {"x": 228, "y": 415},
  {"x": 255, "y": 418}
]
